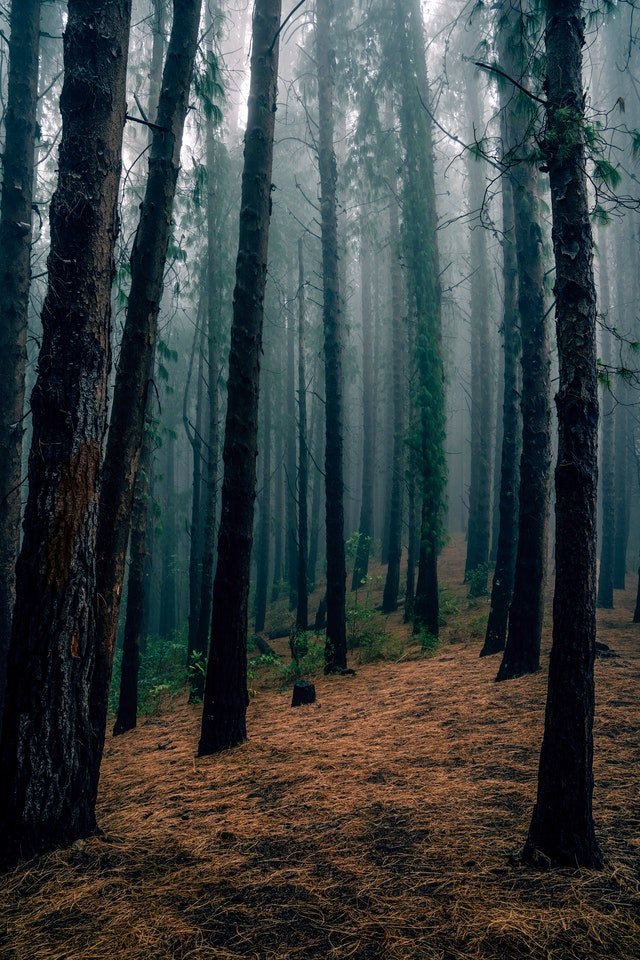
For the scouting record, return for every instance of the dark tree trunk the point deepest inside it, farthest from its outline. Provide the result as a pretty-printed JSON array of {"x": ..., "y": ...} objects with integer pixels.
[
  {"x": 365, "y": 529},
  {"x": 225, "y": 695},
  {"x": 421, "y": 256},
  {"x": 562, "y": 830},
  {"x": 479, "y": 527},
  {"x": 264, "y": 536},
  {"x": 392, "y": 582},
  {"x": 497, "y": 449},
  {"x": 316, "y": 492},
  {"x": 168, "y": 598},
  {"x": 15, "y": 276},
  {"x": 302, "y": 615},
  {"x": 620, "y": 483},
  {"x": 46, "y": 791},
  {"x": 278, "y": 511},
  {"x": 291, "y": 470},
  {"x": 336, "y": 642},
  {"x": 194, "y": 435},
  {"x": 127, "y": 713},
  {"x": 412, "y": 544},
  {"x": 213, "y": 362},
  {"x": 137, "y": 351},
  {"x": 503, "y": 577},
  {"x": 522, "y": 650},
  {"x": 607, "y": 542}
]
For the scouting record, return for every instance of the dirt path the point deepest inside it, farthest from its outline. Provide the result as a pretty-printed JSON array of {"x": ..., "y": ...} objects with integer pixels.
[{"x": 378, "y": 823}]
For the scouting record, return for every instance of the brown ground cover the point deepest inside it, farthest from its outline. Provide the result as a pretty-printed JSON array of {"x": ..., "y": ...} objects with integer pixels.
[{"x": 379, "y": 823}]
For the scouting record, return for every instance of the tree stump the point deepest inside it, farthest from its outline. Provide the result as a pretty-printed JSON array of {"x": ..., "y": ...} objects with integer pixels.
[{"x": 303, "y": 692}]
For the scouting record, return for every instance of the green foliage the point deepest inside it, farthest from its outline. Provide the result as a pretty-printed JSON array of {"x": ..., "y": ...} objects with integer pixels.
[
  {"x": 208, "y": 87},
  {"x": 428, "y": 643},
  {"x": 309, "y": 661},
  {"x": 367, "y": 632},
  {"x": 162, "y": 673},
  {"x": 448, "y": 607},
  {"x": 606, "y": 173},
  {"x": 478, "y": 581}
]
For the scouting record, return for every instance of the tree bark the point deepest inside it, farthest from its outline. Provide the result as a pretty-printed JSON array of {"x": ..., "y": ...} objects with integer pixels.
[
  {"x": 135, "y": 366},
  {"x": 392, "y": 582},
  {"x": 194, "y": 435},
  {"x": 15, "y": 278},
  {"x": 607, "y": 541},
  {"x": 522, "y": 650},
  {"x": 264, "y": 536},
  {"x": 365, "y": 529},
  {"x": 225, "y": 695},
  {"x": 336, "y": 639},
  {"x": 46, "y": 791},
  {"x": 562, "y": 830},
  {"x": 291, "y": 512},
  {"x": 302, "y": 612}
]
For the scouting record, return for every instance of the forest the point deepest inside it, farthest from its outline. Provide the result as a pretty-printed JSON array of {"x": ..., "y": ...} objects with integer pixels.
[{"x": 319, "y": 479}]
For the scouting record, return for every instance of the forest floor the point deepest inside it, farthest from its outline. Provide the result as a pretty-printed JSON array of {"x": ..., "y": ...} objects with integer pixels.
[{"x": 381, "y": 823}]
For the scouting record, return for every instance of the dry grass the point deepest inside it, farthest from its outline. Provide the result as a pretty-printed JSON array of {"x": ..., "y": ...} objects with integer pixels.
[{"x": 379, "y": 823}]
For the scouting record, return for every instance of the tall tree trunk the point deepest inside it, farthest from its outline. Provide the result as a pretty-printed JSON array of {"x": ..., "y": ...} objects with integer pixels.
[
  {"x": 522, "y": 650},
  {"x": 302, "y": 613},
  {"x": 225, "y": 695},
  {"x": 607, "y": 542},
  {"x": 562, "y": 829},
  {"x": 481, "y": 366},
  {"x": 316, "y": 492},
  {"x": 421, "y": 256},
  {"x": 392, "y": 582},
  {"x": 336, "y": 642},
  {"x": 15, "y": 276},
  {"x": 264, "y": 536},
  {"x": 365, "y": 529},
  {"x": 620, "y": 487},
  {"x": 278, "y": 511},
  {"x": 503, "y": 577},
  {"x": 137, "y": 351},
  {"x": 197, "y": 675},
  {"x": 46, "y": 792},
  {"x": 194, "y": 435},
  {"x": 291, "y": 467},
  {"x": 127, "y": 713},
  {"x": 168, "y": 598}
]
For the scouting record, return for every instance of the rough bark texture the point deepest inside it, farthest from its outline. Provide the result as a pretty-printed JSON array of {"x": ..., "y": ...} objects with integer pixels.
[
  {"x": 302, "y": 613},
  {"x": 522, "y": 650},
  {"x": 607, "y": 539},
  {"x": 365, "y": 528},
  {"x": 264, "y": 535},
  {"x": 225, "y": 696},
  {"x": 396, "y": 487},
  {"x": 336, "y": 642},
  {"x": 137, "y": 352},
  {"x": 291, "y": 466},
  {"x": 127, "y": 714},
  {"x": 562, "y": 829},
  {"x": 213, "y": 364},
  {"x": 621, "y": 493},
  {"x": 15, "y": 275},
  {"x": 479, "y": 526},
  {"x": 194, "y": 435},
  {"x": 46, "y": 791},
  {"x": 316, "y": 492}
]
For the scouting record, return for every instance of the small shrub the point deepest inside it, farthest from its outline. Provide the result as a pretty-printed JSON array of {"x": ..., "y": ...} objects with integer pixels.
[
  {"x": 428, "y": 643},
  {"x": 478, "y": 581}
]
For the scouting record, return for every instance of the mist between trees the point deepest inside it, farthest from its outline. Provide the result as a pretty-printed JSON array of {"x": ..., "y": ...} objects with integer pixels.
[{"x": 292, "y": 297}]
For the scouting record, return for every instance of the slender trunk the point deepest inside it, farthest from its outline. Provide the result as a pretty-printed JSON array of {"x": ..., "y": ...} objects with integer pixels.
[
  {"x": 135, "y": 366},
  {"x": 562, "y": 830},
  {"x": 168, "y": 612},
  {"x": 481, "y": 374},
  {"x": 278, "y": 509},
  {"x": 365, "y": 530},
  {"x": 127, "y": 713},
  {"x": 197, "y": 675},
  {"x": 264, "y": 537},
  {"x": 620, "y": 487},
  {"x": 392, "y": 582},
  {"x": 46, "y": 792},
  {"x": 336, "y": 642},
  {"x": 302, "y": 617},
  {"x": 497, "y": 455},
  {"x": 15, "y": 277},
  {"x": 522, "y": 650},
  {"x": 316, "y": 493},
  {"x": 503, "y": 577},
  {"x": 607, "y": 543},
  {"x": 291, "y": 471},
  {"x": 194, "y": 435},
  {"x": 225, "y": 695}
]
